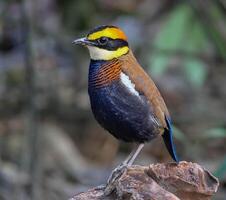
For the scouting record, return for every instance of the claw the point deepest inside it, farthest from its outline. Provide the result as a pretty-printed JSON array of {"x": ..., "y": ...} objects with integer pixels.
[
  {"x": 120, "y": 170},
  {"x": 115, "y": 175},
  {"x": 100, "y": 187}
]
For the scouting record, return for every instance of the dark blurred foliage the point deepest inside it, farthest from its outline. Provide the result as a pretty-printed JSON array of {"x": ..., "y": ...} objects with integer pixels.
[{"x": 50, "y": 145}]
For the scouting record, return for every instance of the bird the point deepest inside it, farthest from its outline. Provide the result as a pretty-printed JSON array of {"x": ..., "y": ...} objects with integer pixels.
[{"x": 124, "y": 99}]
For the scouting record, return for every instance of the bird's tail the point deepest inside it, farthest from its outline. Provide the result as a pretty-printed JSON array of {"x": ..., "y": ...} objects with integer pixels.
[{"x": 168, "y": 140}]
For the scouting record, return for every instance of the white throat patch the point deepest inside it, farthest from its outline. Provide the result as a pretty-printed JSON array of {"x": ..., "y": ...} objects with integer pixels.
[
  {"x": 98, "y": 54},
  {"x": 128, "y": 83},
  {"x": 103, "y": 54}
]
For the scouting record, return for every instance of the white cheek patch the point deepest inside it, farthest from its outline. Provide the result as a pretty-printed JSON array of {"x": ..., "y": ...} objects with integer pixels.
[
  {"x": 99, "y": 54},
  {"x": 128, "y": 83}
]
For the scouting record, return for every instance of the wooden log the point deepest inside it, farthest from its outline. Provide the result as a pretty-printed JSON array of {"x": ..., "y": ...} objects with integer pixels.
[{"x": 168, "y": 181}]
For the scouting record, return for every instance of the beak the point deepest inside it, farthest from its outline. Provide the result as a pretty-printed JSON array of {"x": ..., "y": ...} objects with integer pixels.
[{"x": 83, "y": 41}]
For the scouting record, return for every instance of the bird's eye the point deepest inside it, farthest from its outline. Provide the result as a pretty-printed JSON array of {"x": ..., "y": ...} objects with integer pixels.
[{"x": 103, "y": 40}]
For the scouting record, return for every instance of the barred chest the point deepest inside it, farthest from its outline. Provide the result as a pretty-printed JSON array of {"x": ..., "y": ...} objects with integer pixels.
[{"x": 116, "y": 105}]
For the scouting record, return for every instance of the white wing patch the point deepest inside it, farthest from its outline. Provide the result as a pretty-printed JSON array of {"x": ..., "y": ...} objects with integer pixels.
[{"x": 128, "y": 83}]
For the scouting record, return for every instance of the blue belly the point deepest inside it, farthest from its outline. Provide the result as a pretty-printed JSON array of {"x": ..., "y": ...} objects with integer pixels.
[{"x": 126, "y": 116}]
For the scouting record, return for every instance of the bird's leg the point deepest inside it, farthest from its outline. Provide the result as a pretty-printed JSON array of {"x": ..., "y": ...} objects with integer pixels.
[
  {"x": 132, "y": 157},
  {"x": 120, "y": 169}
]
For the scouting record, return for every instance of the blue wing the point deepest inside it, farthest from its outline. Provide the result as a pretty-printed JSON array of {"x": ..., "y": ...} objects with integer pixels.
[{"x": 168, "y": 140}]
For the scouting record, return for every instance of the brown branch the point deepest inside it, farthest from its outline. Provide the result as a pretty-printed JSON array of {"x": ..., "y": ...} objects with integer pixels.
[{"x": 169, "y": 181}]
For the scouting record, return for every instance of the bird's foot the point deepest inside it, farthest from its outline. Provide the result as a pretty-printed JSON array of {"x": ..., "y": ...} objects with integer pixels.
[
  {"x": 100, "y": 187},
  {"x": 115, "y": 175}
]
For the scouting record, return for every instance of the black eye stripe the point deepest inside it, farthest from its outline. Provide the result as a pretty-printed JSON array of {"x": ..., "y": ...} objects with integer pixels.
[
  {"x": 111, "y": 45},
  {"x": 103, "y": 40},
  {"x": 115, "y": 44}
]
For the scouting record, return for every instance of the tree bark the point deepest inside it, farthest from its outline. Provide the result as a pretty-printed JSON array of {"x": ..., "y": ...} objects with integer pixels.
[{"x": 168, "y": 181}]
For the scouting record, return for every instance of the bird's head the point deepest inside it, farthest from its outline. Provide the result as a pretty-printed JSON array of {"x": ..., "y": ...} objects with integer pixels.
[{"x": 105, "y": 43}]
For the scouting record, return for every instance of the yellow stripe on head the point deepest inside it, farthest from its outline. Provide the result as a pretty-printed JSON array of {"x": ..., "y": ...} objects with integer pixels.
[
  {"x": 116, "y": 43},
  {"x": 110, "y": 31}
]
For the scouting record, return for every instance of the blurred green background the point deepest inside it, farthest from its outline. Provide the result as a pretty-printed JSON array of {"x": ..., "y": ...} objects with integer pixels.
[{"x": 50, "y": 145}]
